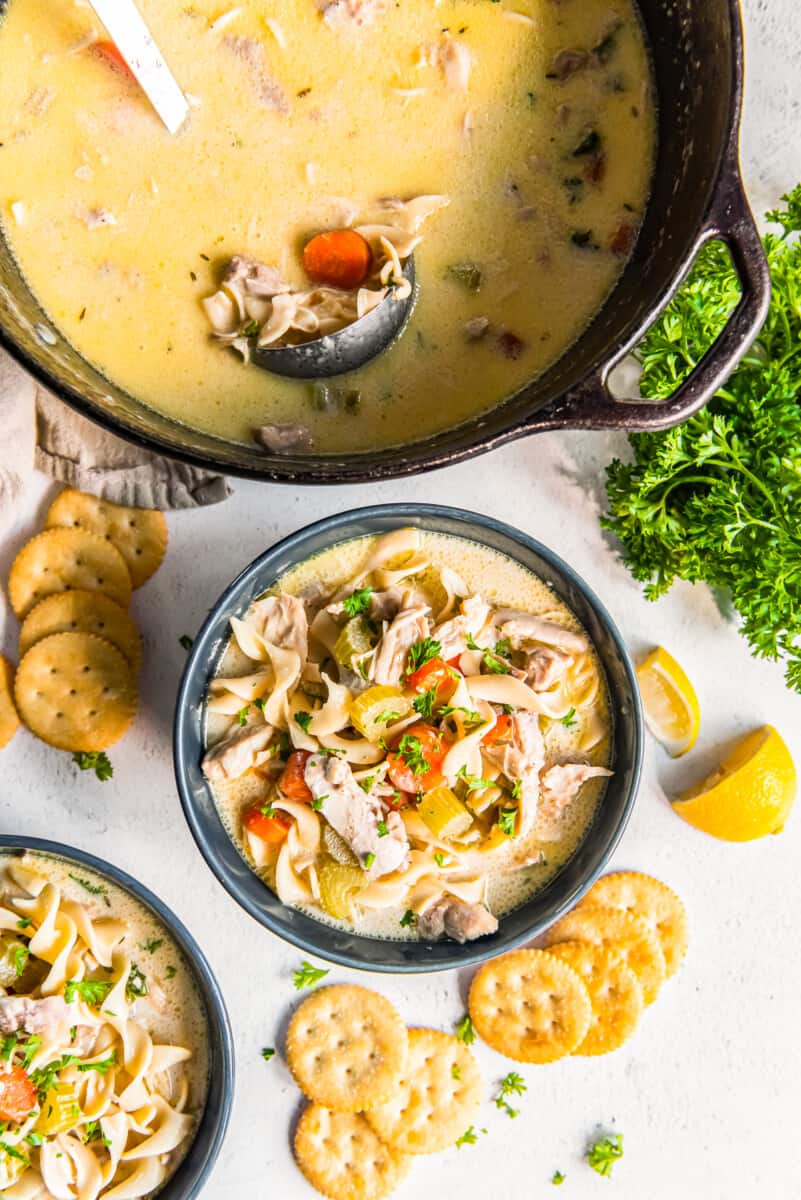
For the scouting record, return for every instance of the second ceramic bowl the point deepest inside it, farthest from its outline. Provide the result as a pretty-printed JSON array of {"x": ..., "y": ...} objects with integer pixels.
[{"x": 349, "y": 948}]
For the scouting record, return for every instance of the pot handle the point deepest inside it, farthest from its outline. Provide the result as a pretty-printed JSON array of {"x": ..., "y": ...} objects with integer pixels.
[{"x": 592, "y": 406}]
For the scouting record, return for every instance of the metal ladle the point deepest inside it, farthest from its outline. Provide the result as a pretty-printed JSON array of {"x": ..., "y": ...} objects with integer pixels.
[{"x": 348, "y": 348}]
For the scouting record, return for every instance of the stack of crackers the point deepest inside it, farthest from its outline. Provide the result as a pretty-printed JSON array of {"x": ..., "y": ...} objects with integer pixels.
[
  {"x": 604, "y": 963},
  {"x": 70, "y": 586},
  {"x": 380, "y": 1094}
]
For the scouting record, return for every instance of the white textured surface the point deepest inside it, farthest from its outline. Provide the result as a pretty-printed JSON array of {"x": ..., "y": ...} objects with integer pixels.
[{"x": 707, "y": 1093}]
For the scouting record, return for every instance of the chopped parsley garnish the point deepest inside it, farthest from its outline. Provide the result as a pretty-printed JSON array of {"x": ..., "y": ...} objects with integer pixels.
[
  {"x": 267, "y": 1053},
  {"x": 465, "y": 1031},
  {"x": 358, "y": 601},
  {"x": 424, "y": 703},
  {"x": 23, "y": 922},
  {"x": 604, "y": 1153},
  {"x": 267, "y": 810},
  {"x": 21, "y": 956},
  {"x": 471, "y": 720},
  {"x": 456, "y": 1072},
  {"x": 137, "y": 983},
  {"x": 308, "y": 975},
  {"x": 557, "y": 1178},
  {"x": 8, "y": 1046},
  {"x": 94, "y": 889},
  {"x": 387, "y": 716},
  {"x": 251, "y": 328},
  {"x": 317, "y": 802},
  {"x": 517, "y": 788},
  {"x": 34, "y": 1139},
  {"x": 94, "y": 760},
  {"x": 421, "y": 653},
  {"x": 102, "y": 1066},
  {"x": 242, "y": 715},
  {"x": 382, "y": 827},
  {"x": 186, "y": 641},
  {"x": 410, "y": 748},
  {"x": 506, "y": 820},
  {"x": 503, "y": 648},
  {"x": 44, "y": 1078},
  {"x": 260, "y": 702},
  {"x": 304, "y": 720},
  {"x": 468, "y": 274},
  {"x": 473, "y": 782},
  {"x": 13, "y": 1152},
  {"x": 468, "y": 1138},
  {"x": 170, "y": 972},
  {"x": 493, "y": 661},
  {"x": 569, "y": 719},
  {"x": 367, "y": 784},
  {"x": 589, "y": 144},
  {"x": 93, "y": 1133},
  {"x": 512, "y": 1084},
  {"x": 31, "y": 1046},
  {"x": 368, "y": 860},
  {"x": 152, "y": 946},
  {"x": 91, "y": 991},
  {"x": 439, "y": 859},
  {"x": 408, "y": 919}
]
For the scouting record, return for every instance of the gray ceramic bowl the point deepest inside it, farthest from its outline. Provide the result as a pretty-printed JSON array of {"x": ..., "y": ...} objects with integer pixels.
[
  {"x": 194, "y": 1170},
  {"x": 380, "y": 954}
]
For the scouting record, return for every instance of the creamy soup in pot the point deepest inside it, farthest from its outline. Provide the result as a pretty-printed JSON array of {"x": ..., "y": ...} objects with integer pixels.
[
  {"x": 104, "y": 1037},
  {"x": 522, "y": 132},
  {"x": 408, "y": 736}
]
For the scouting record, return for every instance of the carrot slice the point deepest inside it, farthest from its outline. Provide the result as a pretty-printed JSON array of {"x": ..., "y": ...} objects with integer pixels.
[
  {"x": 293, "y": 781},
  {"x": 113, "y": 57},
  {"x": 272, "y": 829},
  {"x": 340, "y": 258},
  {"x": 17, "y": 1094}
]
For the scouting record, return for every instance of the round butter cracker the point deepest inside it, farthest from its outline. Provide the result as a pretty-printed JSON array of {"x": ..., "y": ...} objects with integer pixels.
[
  {"x": 343, "y": 1158},
  {"x": 615, "y": 994},
  {"x": 346, "y": 1047},
  {"x": 629, "y": 936},
  {"x": 59, "y": 559},
  {"x": 9, "y": 718},
  {"x": 438, "y": 1098},
  {"x": 653, "y": 901},
  {"x": 75, "y": 691},
  {"x": 140, "y": 534},
  {"x": 530, "y": 1006},
  {"x": 79, "y": 611}
]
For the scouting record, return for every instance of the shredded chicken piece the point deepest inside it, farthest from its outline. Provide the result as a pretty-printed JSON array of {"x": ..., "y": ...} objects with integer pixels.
[
  {"x": 455, "y": 919},
  {"x": 236, "y": 754},
  {"x": 255, "y": 278},
  {"x": 251, "y": 52},
  {"x": 454, "y": 633},
  {"x": 544, "y": 666},
  {"x": 568, "y": 63},
  {"x": 523, "y": 627},
  {"x": 455, "y": 60},
  {"x": 338, "y": 13},
  {"x": 36, "y": 1016},
  {"x": 411, "y": 625},
  {"x": 355, "y": 815},
  {"x": 562, "y": 783},
  {"x": 284, "y": 622},
  {"x": 476, "y": 328},
  {"x": 522, "y": 758},
  {"x": 283, "y": 439}
]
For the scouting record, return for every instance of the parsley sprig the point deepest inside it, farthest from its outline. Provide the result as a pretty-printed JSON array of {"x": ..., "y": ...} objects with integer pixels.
[
  {"x": 512, "y": 1084},
  {"x": 307, "y": 975},
  {"x": 465, "y": 1031},
  {"x": 716, "y": 500},
  {"x": 94, "y": 760},
  {"x": 358, "y": 601}
]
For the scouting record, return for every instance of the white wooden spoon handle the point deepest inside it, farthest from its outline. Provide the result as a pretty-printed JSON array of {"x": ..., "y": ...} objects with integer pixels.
[{"x": 133, "y": 39}]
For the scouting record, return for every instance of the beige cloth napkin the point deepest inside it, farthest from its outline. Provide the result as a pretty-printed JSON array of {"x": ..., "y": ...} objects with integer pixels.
[{"x": 39, "y": 430}]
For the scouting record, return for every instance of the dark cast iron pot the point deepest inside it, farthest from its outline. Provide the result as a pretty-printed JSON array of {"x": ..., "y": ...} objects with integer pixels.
[{"x": 697, "y": 196}]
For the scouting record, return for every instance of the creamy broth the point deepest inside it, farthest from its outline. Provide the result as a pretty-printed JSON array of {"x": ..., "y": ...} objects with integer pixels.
[
  {"x": 502, "y": 582},
  {"x": 171, "y": 1012},
  {"x": 121, "y": 229}
]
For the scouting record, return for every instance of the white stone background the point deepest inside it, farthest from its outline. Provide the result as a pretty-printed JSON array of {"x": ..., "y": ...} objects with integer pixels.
[{"x": 707, "y": 1093}]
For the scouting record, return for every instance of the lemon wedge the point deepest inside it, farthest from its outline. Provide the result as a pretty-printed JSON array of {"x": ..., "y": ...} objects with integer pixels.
[
  {"x": 751, "y": 793},
  {"x": 671, "y": 706}
]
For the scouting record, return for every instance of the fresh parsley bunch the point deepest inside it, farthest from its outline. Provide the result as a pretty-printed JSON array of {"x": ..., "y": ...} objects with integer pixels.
[{"x": 718, "y": 499}]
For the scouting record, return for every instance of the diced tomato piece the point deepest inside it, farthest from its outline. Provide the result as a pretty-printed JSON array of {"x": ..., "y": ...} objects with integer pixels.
[
  {"x": 429, "y": 747},
  {"x": 111, "y": 54},
  {"x": 435, "y": 673},
  {"x": 340, "y": 258},
  {"x": 270, "y": 829},
  {"x": 293, "y": 781},
  {"x": 500, "y": 730},
  {"x": 17, "y": 1094}
]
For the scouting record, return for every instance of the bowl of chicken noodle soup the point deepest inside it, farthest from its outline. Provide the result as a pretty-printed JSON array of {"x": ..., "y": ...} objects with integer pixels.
[
  {"x": 407, "y": 737},
  {"x": 117, "y": 1072}
]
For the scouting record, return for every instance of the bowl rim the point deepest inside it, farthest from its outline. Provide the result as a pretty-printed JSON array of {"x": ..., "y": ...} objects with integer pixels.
[
  {"x": 211, "y": 995},
  {"x": 472, "y": 953}
]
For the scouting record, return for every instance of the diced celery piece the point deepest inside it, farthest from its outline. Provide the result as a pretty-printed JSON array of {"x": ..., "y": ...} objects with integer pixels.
[{"x": 444, "y": 813}]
